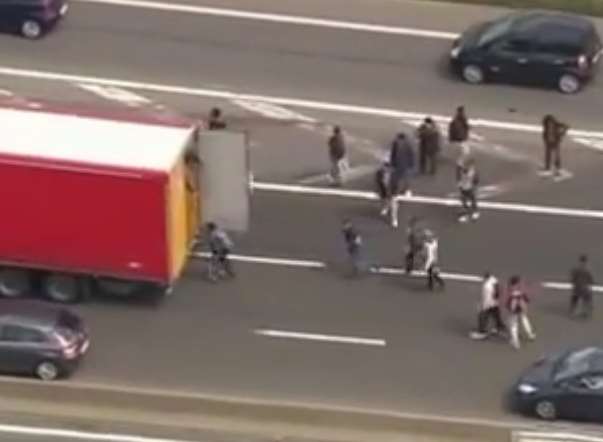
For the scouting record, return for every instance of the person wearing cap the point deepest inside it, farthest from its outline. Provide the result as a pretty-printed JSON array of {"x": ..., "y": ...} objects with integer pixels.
[
  {"x": 429, "y": 137},
  {"x": 430, "y": 246}
]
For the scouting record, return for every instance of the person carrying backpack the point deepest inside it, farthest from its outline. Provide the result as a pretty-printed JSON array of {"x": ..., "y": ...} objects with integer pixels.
[{"x": 220, "y": 246}]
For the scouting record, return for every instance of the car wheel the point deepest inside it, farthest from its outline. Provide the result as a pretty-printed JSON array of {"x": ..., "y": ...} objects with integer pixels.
[
  {"x": 546, "y": 410},
  {"x": 31, "y": 29},
  {"x": 47, "y": 371},
  {"x": 62, "y": 288},
  {"x": 569, "y": 84},
  {"x": 14, "y": 282},
  {"x": 473, "y": 74}
]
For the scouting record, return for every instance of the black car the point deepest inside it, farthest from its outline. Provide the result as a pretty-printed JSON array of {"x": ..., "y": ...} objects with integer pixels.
[
  {"x": 31, "y": 18},
  {"x": 568, "y": 385},
  {"x": 40, "y": 339},
  {"x": 545, "y": 48}
]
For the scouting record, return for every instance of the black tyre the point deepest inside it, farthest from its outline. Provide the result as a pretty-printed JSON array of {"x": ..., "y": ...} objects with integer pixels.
[
  {"x": 546, "y": 410},
  {"x": 14, "y": 283},
  {"x": 31, "y": 29},
  {"x": 47, "y": 371},
  {"x": 63, "y": 288}
]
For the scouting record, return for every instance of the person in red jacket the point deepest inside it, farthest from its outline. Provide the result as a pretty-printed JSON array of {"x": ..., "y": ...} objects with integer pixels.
[{"x": 517, "y": 305}]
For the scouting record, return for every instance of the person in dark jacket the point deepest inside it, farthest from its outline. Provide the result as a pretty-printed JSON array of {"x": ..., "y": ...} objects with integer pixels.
[
  {"x": 582, "y": 281},
  {"x": 458, "y": 136},
  {"x": 402, "y": 160},
  {"x": 337, "y": 152},
  {"x": 429, "y": 146},
  {"x": 383, "y": 186},
  {"x": 220, "y": 246},
  {"x": 467, "y": 184},
  {"x": 553, "y": 132},
  {"x": 353, "y": 244},
  {"x": 414, "y": 244},
  {"x": 216, "y": 120}
]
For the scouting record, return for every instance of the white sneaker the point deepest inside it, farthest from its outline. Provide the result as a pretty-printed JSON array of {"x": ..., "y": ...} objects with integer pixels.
[
  {"x": 408, "y": 193},
  {"x": 384, "y": 212},
  {"x": 463, "y": 218},
  {"x": 475, "y": 216},
  {"x": 545, "y": 172}
]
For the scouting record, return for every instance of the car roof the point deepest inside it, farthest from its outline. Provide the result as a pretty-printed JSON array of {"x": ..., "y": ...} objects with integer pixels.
[
  {"x": 542, "y": 23},
  {"x": 33, "y": 313}
]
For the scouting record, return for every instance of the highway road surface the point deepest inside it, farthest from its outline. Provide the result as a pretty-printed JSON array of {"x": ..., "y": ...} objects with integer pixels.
[{"x": 292, "y": 327}]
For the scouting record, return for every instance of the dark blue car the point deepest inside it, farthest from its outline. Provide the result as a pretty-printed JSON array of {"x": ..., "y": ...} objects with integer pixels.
[
  {"x": 533, "y": 47},
  {"x": 31, "y": 18},
  {"x": 568, "y": 385}
]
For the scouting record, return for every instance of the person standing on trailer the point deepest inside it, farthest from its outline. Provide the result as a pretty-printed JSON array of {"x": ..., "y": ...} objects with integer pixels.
[{"x": 216, "y": 119}]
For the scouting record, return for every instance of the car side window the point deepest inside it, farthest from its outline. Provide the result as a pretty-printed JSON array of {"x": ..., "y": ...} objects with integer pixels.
[
  {"x": 515, "y": 45},
  {"x": 16, "y": 333}
]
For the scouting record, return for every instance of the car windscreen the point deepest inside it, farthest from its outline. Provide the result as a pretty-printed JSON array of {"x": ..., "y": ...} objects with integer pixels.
[
  {"x": 496, "y": 30},
  {"x": 577, "y": 362}
]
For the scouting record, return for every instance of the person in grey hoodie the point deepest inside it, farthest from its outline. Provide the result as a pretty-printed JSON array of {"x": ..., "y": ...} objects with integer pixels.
[{"x": 467, "y": 184}]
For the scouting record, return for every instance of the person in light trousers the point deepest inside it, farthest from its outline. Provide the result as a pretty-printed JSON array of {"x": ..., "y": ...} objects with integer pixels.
[{"x": 517, "y": 305}]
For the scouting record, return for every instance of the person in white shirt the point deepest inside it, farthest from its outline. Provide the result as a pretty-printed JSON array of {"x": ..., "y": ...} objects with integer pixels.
[
  {"x": 430, "y": 247},
  {"x": 489, "y": 317}
]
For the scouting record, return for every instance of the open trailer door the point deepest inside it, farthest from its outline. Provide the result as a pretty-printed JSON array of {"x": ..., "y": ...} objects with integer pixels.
[{"x": 224, "y": 180}]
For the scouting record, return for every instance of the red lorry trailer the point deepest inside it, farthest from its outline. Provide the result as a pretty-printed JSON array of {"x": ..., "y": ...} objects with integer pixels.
[{"x": 94, "y": 200}]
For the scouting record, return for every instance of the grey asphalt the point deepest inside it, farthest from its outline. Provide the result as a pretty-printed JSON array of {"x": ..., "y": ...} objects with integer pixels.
[
  {"x": 281, "y": 59},
  {"x": 201, "y": 338}
]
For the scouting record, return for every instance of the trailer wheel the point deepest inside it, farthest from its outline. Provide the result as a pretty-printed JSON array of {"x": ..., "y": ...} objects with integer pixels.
[
  {"x": 118, "y": 287},
  {"x": 14, "y": 282},
  {"x": 63, "y": 288}
]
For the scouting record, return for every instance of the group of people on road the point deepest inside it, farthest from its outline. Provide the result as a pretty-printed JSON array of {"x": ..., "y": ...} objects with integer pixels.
[{"x": 422, "y": 246}]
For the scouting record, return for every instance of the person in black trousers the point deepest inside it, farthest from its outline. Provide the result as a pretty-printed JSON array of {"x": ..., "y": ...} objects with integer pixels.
[{"x": 582, "y": 281}]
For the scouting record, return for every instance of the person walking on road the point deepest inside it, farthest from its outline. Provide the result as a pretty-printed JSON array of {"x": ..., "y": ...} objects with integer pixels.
[
  {"x": 458, "y": 136},
  {"x": 402, "y": 160},
  {"x": 553, "y": 132},
  {"x": 220, "y": 246},
  {"x": 216, "y": 120},
  {"x": 517, "y": 305},
  {"x": 432, "y": 269},
  {"x": 353, "y": 243},
  {"x": 467, "y": 184},
  {"x": 582, "y": 281},
  {"x": 429, "y": 138},
  {"x": 489, "y": 319},
  {"x": 414, "y": 244},
  {"x": 337, "y": 155},
  {"x": 383, "y": 183}
]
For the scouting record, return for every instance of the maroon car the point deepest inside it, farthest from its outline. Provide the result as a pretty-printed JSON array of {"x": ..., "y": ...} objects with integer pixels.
[{"x": 31, "y": 18}]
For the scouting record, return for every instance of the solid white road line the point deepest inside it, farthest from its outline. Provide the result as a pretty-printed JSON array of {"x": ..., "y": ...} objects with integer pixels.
[
  {"x": 283, "y": 101},
  {"x": 525, "y": 436},
  {"x": 278, "y": 18},
  {"x": 320, "y": 337},
  {"x": 449, "y": 202},
  {"x": 45, "y": 432},
  {"x": 310, "y": 264}
]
